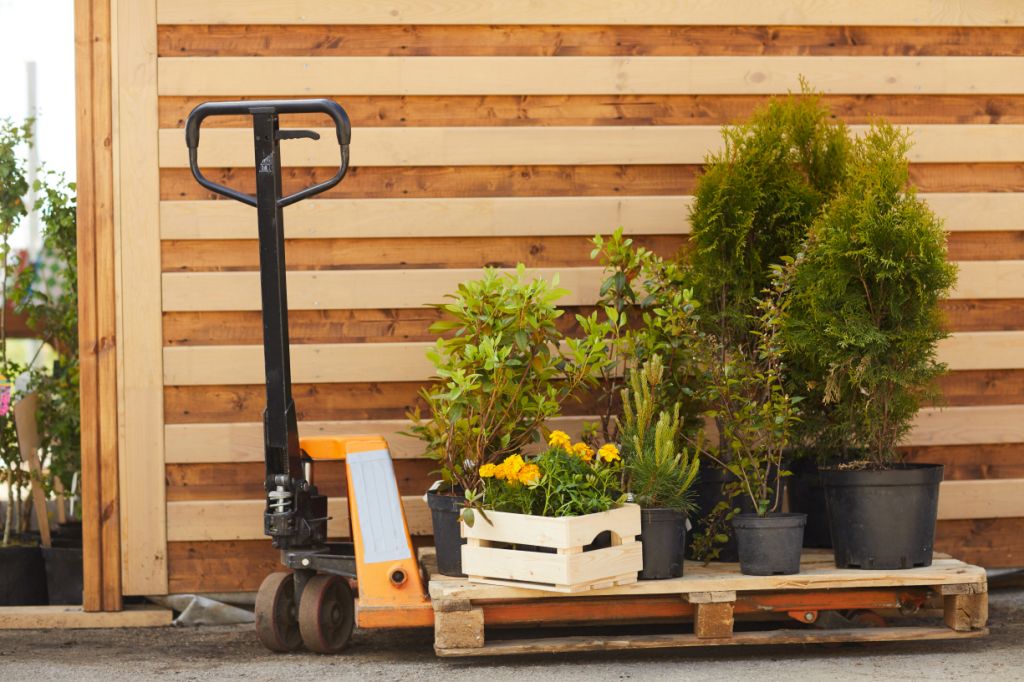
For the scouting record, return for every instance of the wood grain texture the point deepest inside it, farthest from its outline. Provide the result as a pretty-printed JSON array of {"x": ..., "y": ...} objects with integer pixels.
[
  {"x": 973, "y": 461},
  {"x": 699, "y": 12},
  {"x": 143, "y": 514},
  {"x": 368, "y": 111},
  {"x": 438, "y": 252},
  {"x": 982, "y": 387},
  {"x": 992, "y": 214},
  {"x": 350, "y": 289},
  {"x": 553, "y": 181},
  {"x": 276, "y": 76},
  {"x": 577, "y": 145},
  {"x": 341, "y": 40},
  {"x": 989, "y": 499}
]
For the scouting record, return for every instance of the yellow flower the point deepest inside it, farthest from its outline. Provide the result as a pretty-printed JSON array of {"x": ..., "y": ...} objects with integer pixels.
[
  {"x": 487, "y": 470},
  {"x": 529, "y": 474},
  {"x": 608, "y": 453},
  {"x": 583, "y": 451},
  {"x": 560, "y": 439},
  {"x": 513, "y": 464},
  {"x": 500, "y": 472}
]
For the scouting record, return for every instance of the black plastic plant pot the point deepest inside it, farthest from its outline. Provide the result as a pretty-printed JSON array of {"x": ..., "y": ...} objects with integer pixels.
[
  {"x": 663, "y": 535},
  {"x": 883, "y": 519},
  {"x": 63, "y": 574},
  {"x": 807, "y": 496},
  {"x": 22, "y": 576},
  {"x": 769, "y": 545},
  {"x": 448, "y": 540},
  {"x": 709, "y": 489}
]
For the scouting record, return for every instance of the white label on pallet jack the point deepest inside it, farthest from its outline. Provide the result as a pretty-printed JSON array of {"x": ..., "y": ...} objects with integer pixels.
[{"x": 381, "y": 521}]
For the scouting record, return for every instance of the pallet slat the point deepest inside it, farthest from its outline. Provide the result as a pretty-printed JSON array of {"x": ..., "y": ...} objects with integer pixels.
[{"x": 277, "y": 76}]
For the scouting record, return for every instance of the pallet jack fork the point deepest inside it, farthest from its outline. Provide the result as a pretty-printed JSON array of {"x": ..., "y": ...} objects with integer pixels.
[{"x": 314, "y": 604}]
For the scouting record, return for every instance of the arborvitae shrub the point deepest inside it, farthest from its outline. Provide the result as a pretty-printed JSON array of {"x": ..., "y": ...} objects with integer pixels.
[
  {"x": 864, "y": 319},
  {"x": 755, "y": 202}
]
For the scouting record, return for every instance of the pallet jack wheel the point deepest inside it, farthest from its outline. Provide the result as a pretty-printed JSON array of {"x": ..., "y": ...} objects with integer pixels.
[
  {"x": 327, "y": 614},
  {"x": 277, "y": 623}
]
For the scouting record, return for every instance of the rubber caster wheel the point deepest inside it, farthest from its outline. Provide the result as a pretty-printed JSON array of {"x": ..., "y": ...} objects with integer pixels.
[
  {"x": 867, "y": 619},
  {"x": 327, "y": 614},
  {"x": 277, "y": 622}
]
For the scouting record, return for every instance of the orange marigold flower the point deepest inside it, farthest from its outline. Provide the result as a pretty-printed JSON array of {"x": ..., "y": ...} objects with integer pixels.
[
  {"x": 500, "y": 472},
  {"x": 487, "y": 470},
  {"x": 583, "y": 451},
  {"x": 560, "y": 439},
  {"x": 529, "y": 473},
  {"x": 608, "y": 453}
]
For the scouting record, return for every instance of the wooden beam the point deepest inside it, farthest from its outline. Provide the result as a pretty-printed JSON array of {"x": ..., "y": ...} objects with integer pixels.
[
  {"x": 282, "y": 76},
  {"x": 595, "y": 12},
  {"x": 983, "y": 350},
  {"x": 566, "y": 145},
  {"x": 517, "y": 216},
  {"x": 353, "y": 289},
  {"x": 143, "y": 514},
  {"x": 999, "y": 498},
  {"x": 243, "y": 441},
  {"x": 243, "y": 519},
  {"x": 75, "y": 617}
]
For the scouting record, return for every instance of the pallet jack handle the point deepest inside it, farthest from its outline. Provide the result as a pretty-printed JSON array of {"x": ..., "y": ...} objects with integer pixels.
[
  {"x": 296, "y": 514},
  {"x": 299, "y": 106}
]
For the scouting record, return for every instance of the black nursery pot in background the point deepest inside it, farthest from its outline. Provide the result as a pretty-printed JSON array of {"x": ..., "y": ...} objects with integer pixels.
[
  {"x": 22, "y": 576},
  {"x": 769, "y": 545},
  {"x": 883, "y": 519},
  {"x": 807, "y": 496},
  {"x": 709, "y": 493},
  {"x": 448, "y": 540},
  {"x": 663, "y": 532}
]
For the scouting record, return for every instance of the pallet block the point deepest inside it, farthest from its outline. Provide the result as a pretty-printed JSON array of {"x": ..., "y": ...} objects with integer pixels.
[
  {"x": 492, "y": 555},
  {"x": 833, "y": 605}
]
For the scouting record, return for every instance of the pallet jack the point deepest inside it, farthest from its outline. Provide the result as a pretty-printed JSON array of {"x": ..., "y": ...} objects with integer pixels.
[{"x": 314, "y": 604}]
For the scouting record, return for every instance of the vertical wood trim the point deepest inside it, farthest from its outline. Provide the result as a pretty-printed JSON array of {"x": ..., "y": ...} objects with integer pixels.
[
  {"x": 96, "y": 307},
  {"x": 143, "y": 511}
]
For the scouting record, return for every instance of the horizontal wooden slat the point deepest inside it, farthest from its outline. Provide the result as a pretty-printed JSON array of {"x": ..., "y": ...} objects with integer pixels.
[
  {"x": 991, "y": 499},
  {"x": 577, "y": 145},
  {"x": 454, "y": 217},
  {"x": 963, "y": 462},
  {"x": 311, "y": 363},
  {"x": 276, "y": 76},
  {"x": 243, "y": 442},
  {"x": 347, "y": 40},
  {"x": 355, "y": 289},
  {"x": 698, "y": 12},
  {"x": 508, "y": 216},
  {"x": 206, "y": 520},
  {"x": 375, "y": 111},
  {"x": 368, "y": 289},
  {"x": 550, "y": 181}
]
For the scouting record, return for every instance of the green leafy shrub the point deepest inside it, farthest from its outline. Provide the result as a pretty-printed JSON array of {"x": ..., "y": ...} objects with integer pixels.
[
  {"x": 865, "y": 316},
  {"x": 657, "y": 471},
  {"x": 502, "y": 373},
  {"x": 755, "y": 202}
]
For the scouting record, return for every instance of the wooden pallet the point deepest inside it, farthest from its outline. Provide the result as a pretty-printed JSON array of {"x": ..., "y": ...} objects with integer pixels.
[{"x": 821, "y": 599}]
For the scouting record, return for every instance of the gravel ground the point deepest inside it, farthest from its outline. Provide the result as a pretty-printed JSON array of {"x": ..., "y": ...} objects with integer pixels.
[{"x": 230, "y": 653}]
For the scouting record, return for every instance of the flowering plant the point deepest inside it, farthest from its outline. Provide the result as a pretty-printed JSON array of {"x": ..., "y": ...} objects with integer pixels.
[{"x": 566, "y": 479}]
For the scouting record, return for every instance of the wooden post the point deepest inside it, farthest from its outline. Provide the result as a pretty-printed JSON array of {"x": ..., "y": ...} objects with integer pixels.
[
  {"x": 712, "y": 614},
  {"x": 101, "y": 542},
  {"x": 28, "y": 445},
  {"x": 458, "y": 624},
  {"x": 965, "y": 607}
]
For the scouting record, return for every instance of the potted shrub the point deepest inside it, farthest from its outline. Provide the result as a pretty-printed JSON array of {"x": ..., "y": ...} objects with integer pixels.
[
  {"x": 865, "y": 317},
  {"x": 658, "y": 473},
  {"x": 753, "y": 206},
  {"x": 504, "y": 369},
  {"x": 746, "y": 395},
  {"x": 536, "y": 521}
]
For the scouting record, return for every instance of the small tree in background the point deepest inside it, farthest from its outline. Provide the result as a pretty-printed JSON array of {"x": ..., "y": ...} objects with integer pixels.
[{"x": 865, "y": 319}]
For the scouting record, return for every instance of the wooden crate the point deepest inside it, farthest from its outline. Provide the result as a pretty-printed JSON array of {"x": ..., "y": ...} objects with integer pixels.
[
  {"x": 821, "y": 604},
  {"x": 491, "y": 556}
]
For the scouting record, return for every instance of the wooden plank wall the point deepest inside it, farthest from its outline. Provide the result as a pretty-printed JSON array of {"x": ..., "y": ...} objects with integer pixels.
[{"x": 492, "y": 132}]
